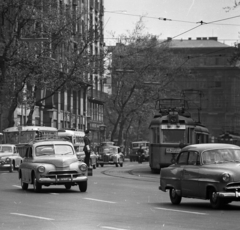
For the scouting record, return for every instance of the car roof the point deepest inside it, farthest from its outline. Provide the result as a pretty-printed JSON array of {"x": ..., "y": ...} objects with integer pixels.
[
  {"x": 208, "y": 146},
  {"x": 50, "y": 142},
  {"x": 7, "y": 145}
]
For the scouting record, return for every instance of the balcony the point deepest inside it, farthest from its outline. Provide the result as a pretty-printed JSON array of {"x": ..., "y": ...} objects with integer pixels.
[{"x": 98, "y": 96}]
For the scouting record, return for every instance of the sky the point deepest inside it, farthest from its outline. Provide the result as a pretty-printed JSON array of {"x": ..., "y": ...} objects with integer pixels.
[{"x": 182, "y": 17}]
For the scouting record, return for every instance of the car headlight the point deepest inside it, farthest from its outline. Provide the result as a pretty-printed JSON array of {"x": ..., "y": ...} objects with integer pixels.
[
  {"x": 41, "y": 169},
  {"x": 8, "y": 159},
  {"x": 226, "y": 177},
  {"x": 83, "y": 167}
]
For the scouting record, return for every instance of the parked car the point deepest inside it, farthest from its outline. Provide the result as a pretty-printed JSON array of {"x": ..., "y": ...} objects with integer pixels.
[
  {"x": 81, "y": 156},
  {"x": 204, "y": 171},
  {"x": 52, "y": 162},
  {"x": 110, "y": 154},
  {"x": 9, "y": 157}
]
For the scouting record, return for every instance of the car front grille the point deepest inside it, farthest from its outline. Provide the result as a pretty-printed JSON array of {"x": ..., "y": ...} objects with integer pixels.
[
  {"x": 105, "y": 158},
  {"x": 63, "y": 174},
  {"x": 233, "y": 186}
]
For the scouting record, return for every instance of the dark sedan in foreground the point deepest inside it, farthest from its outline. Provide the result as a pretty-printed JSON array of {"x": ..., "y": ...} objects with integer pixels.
[{"x": 204, "y": 171}]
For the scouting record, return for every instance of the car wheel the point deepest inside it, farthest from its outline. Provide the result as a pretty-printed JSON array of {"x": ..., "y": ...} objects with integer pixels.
[
  {"x": 12, "y": 166},
  {"x": 83, "y": 186},
  {"x": 174, "y": 197},
  {"x": 24, "y": 185},
  {"x": 116, "y": 164},
  {"x": 68, "y": 186},
  {"x": 215, "y": 201},
  {"x": 36, "y": 185},
  {"x": 121, "y": 164},
  {"x": 94, "y": 166},
  {"x": 102, "y": 165}
]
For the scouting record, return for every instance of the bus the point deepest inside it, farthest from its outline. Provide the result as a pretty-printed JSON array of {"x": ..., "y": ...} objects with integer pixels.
[
  {"x": 22, "y": 135},
  {"x": 75, "y": 137},
  {"x": 171, "y": 130},
  {"x": 134, "y": 146}
]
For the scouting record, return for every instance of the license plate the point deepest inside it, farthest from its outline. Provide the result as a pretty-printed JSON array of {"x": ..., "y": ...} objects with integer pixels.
[{"x": 63, "y": 179}]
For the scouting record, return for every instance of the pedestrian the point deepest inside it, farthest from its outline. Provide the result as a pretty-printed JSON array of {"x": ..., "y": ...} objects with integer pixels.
[{"x": 86, "y": 148}]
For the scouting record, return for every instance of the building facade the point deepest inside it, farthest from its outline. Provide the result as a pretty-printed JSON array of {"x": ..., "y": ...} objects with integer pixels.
[
  {"x": 216, "y": 80},
  {"x": 69, "y": 109}
]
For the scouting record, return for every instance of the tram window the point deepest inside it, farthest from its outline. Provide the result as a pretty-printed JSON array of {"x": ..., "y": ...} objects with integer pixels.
[
  {"x": 173, "y": 136},
  {"x": 182, "y": 160},
  {"x": 156, "y": 135}
]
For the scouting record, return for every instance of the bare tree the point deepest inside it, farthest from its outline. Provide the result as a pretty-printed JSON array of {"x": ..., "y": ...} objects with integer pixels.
[
  {"x": 139, "y": 59},
  {"x": 43, "y": 45}
]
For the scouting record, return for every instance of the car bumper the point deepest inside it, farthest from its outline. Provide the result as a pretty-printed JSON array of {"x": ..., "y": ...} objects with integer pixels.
[
  {"x": 5, "y": 166},
  {"x": 235, "y": 194},
  {"x": 45, "y": 180}
]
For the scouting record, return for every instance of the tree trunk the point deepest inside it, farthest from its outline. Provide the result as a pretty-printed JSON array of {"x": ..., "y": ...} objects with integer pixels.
[{"x": 11, "y": 111}]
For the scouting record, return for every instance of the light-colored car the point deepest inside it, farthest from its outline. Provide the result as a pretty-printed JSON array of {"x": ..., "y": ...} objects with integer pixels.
[
  {"x": 110, "y": 154},
  {"x": 81, "y": 156},
  {"x": 204, "y": 171},
  {"x": 9, "y": 157},
  {"x": 52, "y": 162}
]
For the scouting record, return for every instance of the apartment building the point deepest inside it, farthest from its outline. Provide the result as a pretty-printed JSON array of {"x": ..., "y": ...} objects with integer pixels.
[{"x": 71, "y": 109}]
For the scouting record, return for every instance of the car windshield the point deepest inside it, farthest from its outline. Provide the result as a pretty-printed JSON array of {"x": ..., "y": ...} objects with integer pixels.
[
  {"x": 54, "y": 150},
  {"x": 6, "y": 149},
  {"x": 218, "y": 156},
  {"x": 109, "y": 149}
]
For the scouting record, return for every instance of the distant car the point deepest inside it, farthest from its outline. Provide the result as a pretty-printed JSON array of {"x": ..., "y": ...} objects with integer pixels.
[
  {"x": 204, "y": 171},
  {"x": 52, "y": 162},
  {"x": 81, "y": 156},
  {"x": 9, "y": 157},
  {"x": 110, "y": 154}
]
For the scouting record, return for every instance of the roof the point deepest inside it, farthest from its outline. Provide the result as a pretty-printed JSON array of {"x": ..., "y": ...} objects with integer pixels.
[
  {"x": 209, "y": 146},
  {"x": 197, "y": 44}
]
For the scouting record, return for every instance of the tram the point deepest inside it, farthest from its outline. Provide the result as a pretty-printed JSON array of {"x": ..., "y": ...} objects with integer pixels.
[
  {"x": 22, "y": 135},
  {"x": 229, "y": 138},
  {"x": 171, "y": 130}
]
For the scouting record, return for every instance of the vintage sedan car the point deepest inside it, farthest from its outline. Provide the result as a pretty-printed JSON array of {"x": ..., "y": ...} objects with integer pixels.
[
  {"x": 81, "y": 156},
  {"x": 52, "y": 162},
  {"x": 204, "y": 171},
  {"x": 9, "y": 157},
  {"x": 110, "y": 154}
]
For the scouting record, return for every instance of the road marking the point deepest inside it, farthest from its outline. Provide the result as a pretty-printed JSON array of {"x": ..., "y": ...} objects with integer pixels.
[
  {"x": 37, "y": 217},
  {"x": 111, "y": 202},
  {"x": 174, "y": 210},
  {"x": 54, "y": 193},
  {"x": 18, "y": 186},
  {"x": 106, "y": 227}
]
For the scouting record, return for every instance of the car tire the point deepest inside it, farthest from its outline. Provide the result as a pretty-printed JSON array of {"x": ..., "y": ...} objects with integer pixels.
[
  {"x": 116, "y": 164},
  {"x": 121, "y": 164},
  {"x": 36, "y": 185},
  {"x": 215, "y": 201},
  {"x": 174, "y": 197},
  {"x": 94, "y": 166},
  {"x": 12, "y": 166},
  {"x": 83, "y": 186},
  {"x": 102, "y": 165},
  {"x": 68, "y": 186},
  {"x": 24, "y": 185}
]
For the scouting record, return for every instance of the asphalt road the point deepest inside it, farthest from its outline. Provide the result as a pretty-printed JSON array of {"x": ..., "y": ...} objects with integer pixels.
[{"x": 123, "y": 198}]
